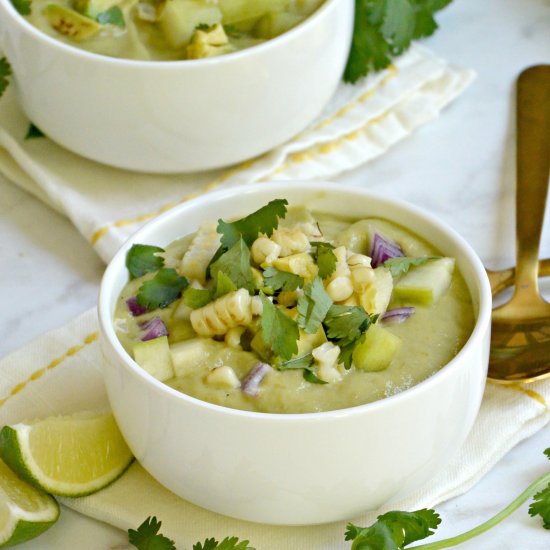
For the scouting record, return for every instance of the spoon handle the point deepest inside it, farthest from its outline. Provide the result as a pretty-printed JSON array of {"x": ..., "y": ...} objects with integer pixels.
[{"x": 533, "y": 171}]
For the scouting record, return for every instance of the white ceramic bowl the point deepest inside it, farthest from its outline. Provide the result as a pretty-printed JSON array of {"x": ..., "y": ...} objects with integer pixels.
[
  {"x": 297, "y": 468},
  {"x": 176, "y": 116}
]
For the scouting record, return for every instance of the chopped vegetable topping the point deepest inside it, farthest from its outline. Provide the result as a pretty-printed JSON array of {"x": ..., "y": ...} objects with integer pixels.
[
  {"x": 134, "y": 307},
  {"x": 383, "y": 249},
  {"x": 224, "y": 284},
  {"x": 278, "y": 330},
  {"x": 22, "y": 6},
  {"x": 112, "y": 16},
  {"x": 399, "y": 266},
  {"x": 251, "y": 383},
  {"x": 313, "y": 306},
  {"x": 154, "y": 328},
  {"x": 196, "y": 297},
  {"x": 397, "y": 315},
  {"x": 324, "y": 258},
  {"x": 161, "y": 290},
  {"x": 282, "y": 280},
  {"x": 142, "y": 259},
  {"x": 235, "y": 264}
]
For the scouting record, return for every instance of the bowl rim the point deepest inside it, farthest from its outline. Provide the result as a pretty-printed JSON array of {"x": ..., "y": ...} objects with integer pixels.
[
  {"x": 481, "y": 326},
  {"x": 228, "y": 58}
]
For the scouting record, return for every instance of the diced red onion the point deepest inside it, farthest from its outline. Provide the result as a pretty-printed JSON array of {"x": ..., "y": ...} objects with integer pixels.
[
  {"x": 134, "y": 307},
  {"x": 251, "y": 383},
  {"x": 397, "y": 315},
  {"x": 383, "y": 249},
  {"x": 154, "y": 328}
]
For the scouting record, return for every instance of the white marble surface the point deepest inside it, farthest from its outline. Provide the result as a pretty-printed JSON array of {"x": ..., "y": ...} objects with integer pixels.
[{"x": 461, "y": 167}]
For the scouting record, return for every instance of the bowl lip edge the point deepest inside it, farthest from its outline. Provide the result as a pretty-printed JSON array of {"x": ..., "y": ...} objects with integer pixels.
[
  {"x": 479, "y": 332},
  {"x": 137, "y": 64}
]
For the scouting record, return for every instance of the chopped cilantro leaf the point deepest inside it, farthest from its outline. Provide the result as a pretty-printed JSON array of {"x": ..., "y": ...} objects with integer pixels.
[
  {"x": 196, "y": 297},
  {"x": 313, "y": 306},
  {"x": 312, "y": 378},
  {"x": 264, "y": 220},
  {"x": 161, "y": 290},
  {"x": 235, "y": 264},
  {"x": 278, "y": 330},
  {"x": 394, "y": 530},
  {"x": 204, "y": 27},
  {"x": 142, "y": 259},
  {"x": 324, "y": 258},
  {"x": 346, "y": 322},
  {"x": 541, "y": 506},
  {"x": 112, "y": 16},
  {"x": 224, "y": 285},
  {"x": 346, "y": 350},
  {"x": 22, "y": 6},
  {"x": 281, "y": 280},
  {"x": 228, "y": 543},
  {"x": 147, "y": 536},
  {"x": 302, "y": 362},
  {"x": 5, "y": 72},
  {"x": 398, "y": 266},
  {"x": 33, "y": 132},
  {"x": 386, "y": 28},
  {"x": 547, "y": 453}
]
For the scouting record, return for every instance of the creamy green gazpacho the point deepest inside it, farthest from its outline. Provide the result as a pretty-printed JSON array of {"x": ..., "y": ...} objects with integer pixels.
[
  {"x": 166, "y": 29},
  {"x": 289, "y": 311}
]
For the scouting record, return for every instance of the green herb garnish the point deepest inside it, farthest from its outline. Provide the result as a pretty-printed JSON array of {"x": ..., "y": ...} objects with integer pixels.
[
  {"x": 228, "y": 543},
  {"x": 112, "y": 16},
  {"x": 142, "y": 259},
  {"x": 384, "y": 29},
  {"x": 235, "y": 264},
  {"x": 161, "y": 290},
  {"x": 397, "y": 530},
  {"x": 22, "y": 6},
  {"x": 264, "y": 220},
  {"x": 279, "y": 331},
  {"x": 224, "y": 284},
  {"x": 399, "y": 266},
  {"x": 281, "y": 280},
  {"x": 5, "y": 72},
  {"x": 33, "y": 132},
  {"x": 324, "y": 258},
  {"x": 302, "y": 362},
  {"x": 147, "y": 536},
  {"x": 313, "y": 306},
  {"x": 312, "y": 378},
  {"x": 196, "y": 297}
]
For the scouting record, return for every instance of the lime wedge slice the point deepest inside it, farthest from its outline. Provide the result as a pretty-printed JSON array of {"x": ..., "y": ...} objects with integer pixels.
[
  {"x": 67, "y": 455},
  {"x": 25, "y": 512}
]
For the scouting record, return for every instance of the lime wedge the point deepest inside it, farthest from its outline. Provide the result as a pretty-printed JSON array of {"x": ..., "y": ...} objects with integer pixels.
[
  {"x": 25, "y": 512},
  {"x": 67, "y": 455}
]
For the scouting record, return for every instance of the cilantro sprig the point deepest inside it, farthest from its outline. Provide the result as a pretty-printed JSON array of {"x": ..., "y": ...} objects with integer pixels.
[
  {"x": 111, "y": 16},
  {"x": 399, "y": 266},
  {"x": 164, "y": 288},
  {"x": 324, "y": 258},
  {"x": 279, "y": 331},
  {"x": 384, "y": 29},
  {"x": 397, "y": 530},
  {"x": 313, "y": 306},
  {"x": 22, "y": 6},
  {"x": 281, "y": 280},
  {"x": 142, "y": 259}
]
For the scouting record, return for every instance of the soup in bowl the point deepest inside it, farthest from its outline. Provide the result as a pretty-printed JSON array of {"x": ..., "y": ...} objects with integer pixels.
[{"x": 248, "y": 399}]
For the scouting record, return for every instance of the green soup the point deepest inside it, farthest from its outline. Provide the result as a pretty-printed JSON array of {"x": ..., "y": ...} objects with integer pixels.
[
  {"x": 167, "y": 29},
  {"x": 299, "y": 314}
]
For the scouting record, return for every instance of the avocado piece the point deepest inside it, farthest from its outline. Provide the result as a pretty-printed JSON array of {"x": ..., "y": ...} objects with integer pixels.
[
  {"x": 154, "y": 357},
  {"x": 425, "y": 284},
  {"x": 91, "y": 8},
  {"x": 70, "y": 23},
  {"x": 377, "y": 350},
  {"x": 178, "y": 19}
]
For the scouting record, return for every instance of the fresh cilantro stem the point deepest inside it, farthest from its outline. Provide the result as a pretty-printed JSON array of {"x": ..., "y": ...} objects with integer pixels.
[{"x": 490, "y": 523}]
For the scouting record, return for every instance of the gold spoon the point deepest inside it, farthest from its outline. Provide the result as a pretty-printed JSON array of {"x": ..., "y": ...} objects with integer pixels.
[
  {"x": 501, "y": 279},
  {"x": 520, "y": 340}
]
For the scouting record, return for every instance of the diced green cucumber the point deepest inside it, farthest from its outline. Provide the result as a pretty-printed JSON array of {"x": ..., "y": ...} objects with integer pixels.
[
  {"x": 241, "y": 10},
  {"x": 70, "y": 23},
  {"x": 425, "y": 284},
  {"x": 274, "y": 23},
  {"x": 308, "y": 342},
  {"x": 190, "y": 355},
  {"x": 154, "y": 357},
  {"x": 178, "y": 19},
  {"x": 377, "y": 350},
  {"x": 91, "y": 8},
  {"x": 179, "y": 330}
]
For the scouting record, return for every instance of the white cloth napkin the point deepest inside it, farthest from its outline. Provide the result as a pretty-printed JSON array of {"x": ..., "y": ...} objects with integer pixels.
[
  {"x": 61, "y": 373},
  {"x": 361, "y": 122}
]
